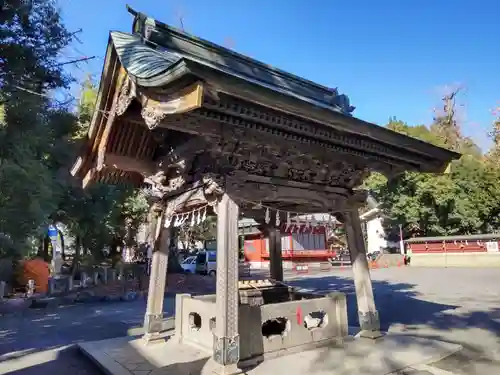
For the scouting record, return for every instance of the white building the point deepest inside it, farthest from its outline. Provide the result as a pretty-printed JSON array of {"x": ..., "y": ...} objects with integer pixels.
[{"x": 375, "y": 233}]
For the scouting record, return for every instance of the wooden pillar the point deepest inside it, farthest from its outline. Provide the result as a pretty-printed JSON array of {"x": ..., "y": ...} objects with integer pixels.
[
  {"x": 157, "y": 280},
  {"x": 226, "y": 348},
  {"x": 367, "y": 313},
  {"x": 275, "y": 255}
]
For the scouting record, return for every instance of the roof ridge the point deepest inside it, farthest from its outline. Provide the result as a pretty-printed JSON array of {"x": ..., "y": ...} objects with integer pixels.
[{"x": 146, "y": 26}]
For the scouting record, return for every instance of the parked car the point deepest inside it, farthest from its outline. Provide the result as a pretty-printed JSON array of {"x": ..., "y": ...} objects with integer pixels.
[
  {"x": 341, "y": 256},
  {"x": 206, "y": 263},
  {"x": 189, "y": 264},
  {"x": 373, "y": 256}
]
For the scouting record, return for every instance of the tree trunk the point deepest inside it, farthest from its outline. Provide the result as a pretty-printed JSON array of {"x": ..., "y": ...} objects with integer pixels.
[
  {"x": 45, "y": 253},
  {"x": 41, "y": 241},
  {"x": 61, "y": 235},
  {"x": 75, "y": 266},
  {"x": 116, "y": 242}
]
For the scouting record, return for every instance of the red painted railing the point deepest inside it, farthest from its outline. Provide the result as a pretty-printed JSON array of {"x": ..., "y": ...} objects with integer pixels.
[{"x": 287, "y": 254}]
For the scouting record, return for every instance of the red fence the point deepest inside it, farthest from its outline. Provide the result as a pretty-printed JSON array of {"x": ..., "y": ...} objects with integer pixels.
[{"x": 451, "y": 247}]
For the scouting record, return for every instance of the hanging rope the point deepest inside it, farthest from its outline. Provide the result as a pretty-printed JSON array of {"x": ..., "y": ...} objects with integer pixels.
[
  {"x": 193, "y": 217},
  {"x": 302, "y": 221}
]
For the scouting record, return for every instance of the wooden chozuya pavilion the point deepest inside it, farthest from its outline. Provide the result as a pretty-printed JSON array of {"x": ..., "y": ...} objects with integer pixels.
[{"x": 204, "y": 125}]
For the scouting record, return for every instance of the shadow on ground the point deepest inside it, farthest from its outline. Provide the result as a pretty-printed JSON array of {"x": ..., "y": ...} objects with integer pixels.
[
  {"x": 41, "y": 341},
  {"x": 63, "y": 361},
  {"x": 398, "y": 304},
  {"x": 44, "y": 329}
]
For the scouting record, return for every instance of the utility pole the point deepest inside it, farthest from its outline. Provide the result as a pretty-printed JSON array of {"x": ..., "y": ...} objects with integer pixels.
[{"x": 401, "y": 241}]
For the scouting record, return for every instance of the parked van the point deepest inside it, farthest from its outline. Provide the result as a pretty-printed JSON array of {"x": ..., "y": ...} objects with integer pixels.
[{"x": 206, "y": 263}]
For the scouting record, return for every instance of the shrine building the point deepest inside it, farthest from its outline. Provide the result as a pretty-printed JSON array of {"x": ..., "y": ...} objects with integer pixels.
[{"x": 209, "y": 131}]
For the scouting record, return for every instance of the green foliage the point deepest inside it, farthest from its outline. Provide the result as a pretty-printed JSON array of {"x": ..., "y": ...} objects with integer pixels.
[
  {"x": 493, "y": 156},
  {"x": 40, "y": 141},
  {"x": 31, "y": 40},
  {"x": 86, "y": 105},
  {"x": 206, "y": 231},
  {"x": 421, "y": 132},
  {"x": 464, "y": 201},
  {"x": 101, "y": 215}
]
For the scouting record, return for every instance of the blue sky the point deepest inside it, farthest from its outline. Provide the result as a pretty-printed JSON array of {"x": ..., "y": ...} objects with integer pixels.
[{"x": 392, "y": 57}]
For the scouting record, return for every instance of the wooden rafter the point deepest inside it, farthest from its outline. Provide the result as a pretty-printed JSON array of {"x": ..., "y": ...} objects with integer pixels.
[
  {"x": 129, "y": 164},
  {"x": 110, "y": 120}
]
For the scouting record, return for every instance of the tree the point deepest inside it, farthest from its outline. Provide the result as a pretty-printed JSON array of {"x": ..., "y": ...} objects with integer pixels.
[
  {"x": 445, "y": 125},
  {"x": 39, "y": 139},
  {"x": 493, "y": 155},
  {"x": 205, "y": 231},
  {"x": 86, "y": 106},
  {"x": 464, "y": 201},
  {"x": 31, "y": 39},
  {"x": 102, "y": 216}
]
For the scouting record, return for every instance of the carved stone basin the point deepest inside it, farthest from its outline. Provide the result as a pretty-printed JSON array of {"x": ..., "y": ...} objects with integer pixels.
[
  {"x": 271, "y": 318},
  {"x": 263, "y": 292}
]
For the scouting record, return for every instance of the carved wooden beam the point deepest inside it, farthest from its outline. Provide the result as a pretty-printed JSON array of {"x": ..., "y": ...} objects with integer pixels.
[
  {"x": 305, "y": 200},
  {"x": 296, "y": 199},
  {"x": 185, "y": 123},
  {"x": 103, "y": 142},
  {"x": 179, "y": 155},
  {"x": 129, "y": 164},
  {"x": 298, "y": 185},
  {"x": 157, "y": 107},
  {"x": 207, "y": 190},
  {"x": 195, "y": 124},
  {"x": 234, "y": 87},
  {"x": 89, "y": 176},
  {"x": 265, "y": 124}
]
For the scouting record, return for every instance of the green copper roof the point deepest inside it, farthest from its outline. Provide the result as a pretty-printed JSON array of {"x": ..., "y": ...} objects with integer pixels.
[
  {"x": 155, "y": 49},
  {"x": 146, "y": 64}
]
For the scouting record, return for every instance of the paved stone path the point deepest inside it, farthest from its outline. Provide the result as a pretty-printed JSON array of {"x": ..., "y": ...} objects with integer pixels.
[
  {"x": 393, "y": 352},
  {"x": 39, "y": 341},
  {"x": 457, "y": 305}
]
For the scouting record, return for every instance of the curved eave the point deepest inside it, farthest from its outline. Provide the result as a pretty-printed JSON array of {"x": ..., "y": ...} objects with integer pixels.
[
  {"x": 198, "y": 49},
  {"x": 153, "y": 66},
  {"x": 300, "y": 96},
  {"x": 150, "y": 67},
  {"x": 371, "y": 214},
  {"x": 297, "y": 106},
  {"x": 108, "y": 77},
  {"x": 144, "y": 64}
]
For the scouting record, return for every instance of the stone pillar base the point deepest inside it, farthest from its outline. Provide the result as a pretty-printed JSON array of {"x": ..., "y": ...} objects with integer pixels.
[
  {"x": 152, "y": 326},
  {"x": 226, "y": 350},
  {"x": 228, "y": 370},
  {"x": 369, "y": 323},
  {"x": 153, "y": 338},
  {"x": 372, "y": 335}
]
